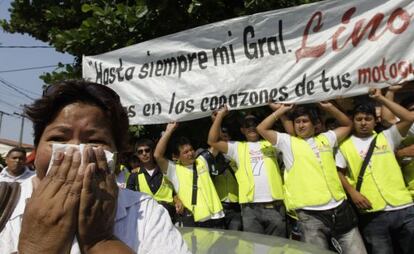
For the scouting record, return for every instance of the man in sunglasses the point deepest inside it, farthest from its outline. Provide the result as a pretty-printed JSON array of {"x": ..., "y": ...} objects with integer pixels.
[
  {"x": 149, "y": 179},
  {"x": 258, "y": 176}
]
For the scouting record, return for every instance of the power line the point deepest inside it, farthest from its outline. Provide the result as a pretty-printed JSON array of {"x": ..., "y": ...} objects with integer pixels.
[
  {"x": 9, "y": 94},
  {"x": 20, "y": 88},
  {"x": 30, "y": 68},
  {"x": 15, "y": 89},
  {"x": 10, "y": 105},
  {"x": 25, "y": 47}
]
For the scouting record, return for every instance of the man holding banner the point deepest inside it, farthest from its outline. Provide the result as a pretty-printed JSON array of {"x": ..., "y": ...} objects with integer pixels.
[
  {"x": 258, "y": 177},
  {"x": 191, "y": 181},
  {"x": 379, "y": 192},
  {"x": 312, "y": 186}
]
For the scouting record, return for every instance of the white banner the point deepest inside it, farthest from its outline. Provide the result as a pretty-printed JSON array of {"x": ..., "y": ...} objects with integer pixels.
[{"x": 302, "y": 54}]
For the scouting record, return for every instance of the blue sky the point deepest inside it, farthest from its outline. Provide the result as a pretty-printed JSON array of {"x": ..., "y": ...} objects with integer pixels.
[{"x": 26, "y": 81}]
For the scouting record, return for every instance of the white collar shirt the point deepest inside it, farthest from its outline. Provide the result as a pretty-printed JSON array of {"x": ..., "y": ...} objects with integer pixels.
[
  {"x": 140, "y": 222},
  {"x": 5, "y": 176}
]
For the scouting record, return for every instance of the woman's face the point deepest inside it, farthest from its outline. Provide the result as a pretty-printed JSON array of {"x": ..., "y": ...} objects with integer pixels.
[{"x": 74, "y": 124}]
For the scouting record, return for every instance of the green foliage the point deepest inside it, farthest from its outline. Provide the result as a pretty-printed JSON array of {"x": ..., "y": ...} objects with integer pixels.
[{"x": 93, "y": 27}]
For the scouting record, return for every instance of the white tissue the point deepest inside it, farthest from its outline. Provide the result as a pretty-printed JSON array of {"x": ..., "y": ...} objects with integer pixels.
[{"x": 64, "y": 147}]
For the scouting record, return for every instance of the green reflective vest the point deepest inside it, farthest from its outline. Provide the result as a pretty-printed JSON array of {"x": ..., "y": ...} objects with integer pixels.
[
  {"x": 312, "y": 180},
  {"x": 382, "y": 181},
  {"x": 164, "y": 192},
  {"x": 208, "y": 202},
  {"x": 226, "y": 186},
  {"x": 244, "y": 172},
  {"x": 407, "y": 165}
]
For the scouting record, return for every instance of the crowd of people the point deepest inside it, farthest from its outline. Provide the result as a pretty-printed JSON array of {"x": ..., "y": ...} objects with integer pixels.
[{"x": 341, "y": 180}]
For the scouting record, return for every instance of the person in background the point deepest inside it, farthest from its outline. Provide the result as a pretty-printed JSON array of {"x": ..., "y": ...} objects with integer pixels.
[
  {"x": 16, "y": 169},
  {"x": 191, "y": 180},
  {"x": 258, "y": 176},
  {"x": 405, "y": 152},
  {"x": 224, "y": 179},
  {"x": 384, "y": 202},
  {"x": 312, "y": 185},
  {"x": 73, "y": 204},
  {"x": 148, "y": 178}
]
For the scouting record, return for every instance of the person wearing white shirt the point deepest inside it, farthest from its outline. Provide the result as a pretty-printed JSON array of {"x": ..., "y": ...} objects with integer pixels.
[
  {"x": 312, "y": 185},
  {"x": 15, "y": 171},
  {"x": 191, "y": 180},
  {"x": 140, "y": 222},
  {"x": 384, "y": 202},
  {"x": 73, "y": 204},
  {"x": 258, "y": 176}
]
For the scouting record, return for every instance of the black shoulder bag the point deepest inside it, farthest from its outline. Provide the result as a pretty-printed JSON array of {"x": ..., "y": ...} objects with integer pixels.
[
  {"x": 195, "y": 179},
  {"x": 365, "y": 164},
  {"x": 9, "y": 196}
]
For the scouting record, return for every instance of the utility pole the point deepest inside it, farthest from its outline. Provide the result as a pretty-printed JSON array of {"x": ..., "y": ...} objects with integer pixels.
[
  {"x": 21, "y": 128},
  {"x": 1, "y": 117}
]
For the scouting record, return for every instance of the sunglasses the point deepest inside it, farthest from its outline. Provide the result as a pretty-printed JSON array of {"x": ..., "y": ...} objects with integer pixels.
[
  {"x": 93, "y": 88},
  {"x": 142, "y": 151}
]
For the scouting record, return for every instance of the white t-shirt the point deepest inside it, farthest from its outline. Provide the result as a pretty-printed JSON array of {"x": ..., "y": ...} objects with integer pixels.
[
  {"x": 5, "y": 176},
  {"x": 393, "y": 138},
  {"x": 140, "y": 222},
  {"x": 261, "y": 183},
  {"x": 172, "y": 176},
  {"x": 284, "y": 144},
  {"x": 411, "y": 130}
]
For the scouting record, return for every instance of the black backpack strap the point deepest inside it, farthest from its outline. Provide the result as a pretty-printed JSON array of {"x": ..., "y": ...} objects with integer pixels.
[
  {"x": 208, "y": 156},
  {"x": 133, "y": 181},
  {"x": 365, "y": 163},
  {"x": 195, "y": 179}
]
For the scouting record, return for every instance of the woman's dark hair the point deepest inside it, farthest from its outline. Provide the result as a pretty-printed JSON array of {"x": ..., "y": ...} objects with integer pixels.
[
  {"x": 55, "y": 97},
  {"x": 365, "y": 108},
  {"x": 308, "y": 110}
]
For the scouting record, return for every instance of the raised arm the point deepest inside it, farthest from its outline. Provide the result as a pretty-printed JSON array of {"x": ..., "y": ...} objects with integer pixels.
[
  {"x": 214, "y": 133},
  {"x": 345, "y": 124},
  {"x": 265, "y": 127},
  {"x": 286, "y": 122},
  {"x": 406, "y": 116},
  {"x": 159, "y": 153},
  {"x": 388, "y": 118}
]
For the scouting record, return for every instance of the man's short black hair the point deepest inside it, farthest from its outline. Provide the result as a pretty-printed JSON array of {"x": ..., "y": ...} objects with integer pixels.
[
  {"x": 407, "y": 102},
  {"x": 16, "y": 149},
  {"x": 305, "y": 110},
  {"x": 367, "y": 107},
  {"x": 179, "y": 142},
  {"x": 145, "y": 142}
]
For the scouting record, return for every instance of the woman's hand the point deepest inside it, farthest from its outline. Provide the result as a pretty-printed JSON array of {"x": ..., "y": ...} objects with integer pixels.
[
  {"x": 51, "y": 214},
  {"x": 98, "y": 201}
]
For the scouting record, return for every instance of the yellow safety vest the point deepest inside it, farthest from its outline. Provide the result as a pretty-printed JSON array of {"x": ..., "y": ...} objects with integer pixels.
[
  {"x": 312, "y": 180},
  {"x": 244, "y": 172},
  {"x": 382, "y": 181},
  {"x": 208, "y": 202},
  {"x": 163, "y": 194},
  {"x": 126, "y": 172},
  {"x": 408, "y": 168},
  {"x": 226, "y": 186}
]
